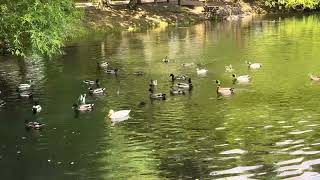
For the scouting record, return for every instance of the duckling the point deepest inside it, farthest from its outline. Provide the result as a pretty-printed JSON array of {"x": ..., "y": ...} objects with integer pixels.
[
  {"x": 36, "y": 108},
  {"x": 229, "y": 68},
  {"x": 241, "y": 79},
  {"x": 112, "y": 71},
  {"x": 157, "y": 96},
  {"x": 153, "y": 82},
  {"x": 139, "y": 73},
  {"x": 177, "y": 91},
  {"x": 314, "y": 77},
  {"x": 201, "y": 71},
  {"x": 33, "y": 125},
  {"x": 89, "y": 82},
  {"x": 224, "y": 91},
  {"x": 83, "y": 107},
  {"x": 178, "y": 77},
  {"x": 185, "y": 85},
  {"x": 26, "y": 94},
  {"x": 254, "y": 65},
  {"x": 165, "y": 60},
  {"x": 97, "y": 90},
  {"x": 25, "y": 86}
]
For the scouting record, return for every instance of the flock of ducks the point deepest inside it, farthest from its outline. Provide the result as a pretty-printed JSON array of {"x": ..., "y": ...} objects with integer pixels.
[{"x": 184, "y": 84}]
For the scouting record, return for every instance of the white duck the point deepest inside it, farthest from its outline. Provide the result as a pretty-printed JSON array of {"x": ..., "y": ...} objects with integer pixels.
[
  {"x": 314, "y": 77},
  {"x": 254, "y": 65},
  {"x": 241, "y": 79},
  {"x": 90, "y": 82},
  {"x": 201, "y": 71},
  {"x": 114, "y": 116}
]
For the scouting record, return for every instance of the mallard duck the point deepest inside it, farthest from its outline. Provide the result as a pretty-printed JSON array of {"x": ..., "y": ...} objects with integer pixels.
[
  {"x": 118, "y": 114},
  {"x": 36, "y": 108},
  {"x": 89, "y": 82},
  {"x": 187, "y": 64},
  {"x": 139, "y": 73},
  {"x": 165, "y": 59},
  {"x": 26, "y": 94},
  {"x": 185, "y": 85},
  {"x": 314, "y": 77},
  {"x": 33, "y": 125},
  {"x": 224, "y": 91},
  {"x": 241, "y": 79},
  {"x": 97, "y": 90},
  {"x": 177, "y": 91},
  {"x": 112, "y": 71},
  {"x": 83, "y": 107},
  {"x": 201, "y": 71},
  {"x": 229, "y": 68},
  {"x": 254, "y": 65},
  {"x": 178, "y": 77},
  {"x": 158, "y": 96},
  {"x": 25, "y": 86},
  {"x": 153, "y": 82}
]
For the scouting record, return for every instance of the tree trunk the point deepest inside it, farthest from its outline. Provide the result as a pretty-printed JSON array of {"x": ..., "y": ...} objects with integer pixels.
[
  {"x": 179, "y": 2},
  {"x": 168, "y": 1},
  {"x": 139, "y": 1}
]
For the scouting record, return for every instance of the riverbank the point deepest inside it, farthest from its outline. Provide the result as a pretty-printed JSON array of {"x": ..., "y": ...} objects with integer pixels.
[
  {"x": 148, "y": 16},
  {"x": 143, "y": 17}
]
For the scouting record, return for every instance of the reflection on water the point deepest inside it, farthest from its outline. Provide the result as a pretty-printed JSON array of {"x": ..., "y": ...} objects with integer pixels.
[{"x": 268, "y": 129}]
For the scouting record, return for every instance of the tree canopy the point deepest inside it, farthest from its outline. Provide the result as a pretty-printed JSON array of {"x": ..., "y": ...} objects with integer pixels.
[{"x": 36, "y": 26}]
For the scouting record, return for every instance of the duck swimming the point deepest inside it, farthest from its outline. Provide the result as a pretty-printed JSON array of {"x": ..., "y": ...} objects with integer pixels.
[
  {"x": 165, "y": 59},
  {"x": 229, "y": 68},
  {"x": 153, "y": 82},
  {"x": 36, "y": 108},
  {"x": 83, "y": 107},
  {"x": 241, "y": 79},
  {"x": 314, "y": 77},
  {"x": 253, "y": 65},
  {"x": 224, "y": 91},
  {"x": 185, "y": 85},
  {"x": 97, "y": 90},
  {"x": 177, "y": 91},
  {"x": 26, "y": 94},
  {"x": 33, "y": 125},
  {"x": 118, "y": 114},
  {"x": 178, "y": 77},
  {"x": 157, "y": 96},
  {"x": 201, "y": 71},
  {"x": 25, "y": 86},
  {"x": 89, "y": 82}
]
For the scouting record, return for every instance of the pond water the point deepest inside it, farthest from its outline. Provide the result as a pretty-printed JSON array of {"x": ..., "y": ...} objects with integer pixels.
[{"x": 267, "y": 130}]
